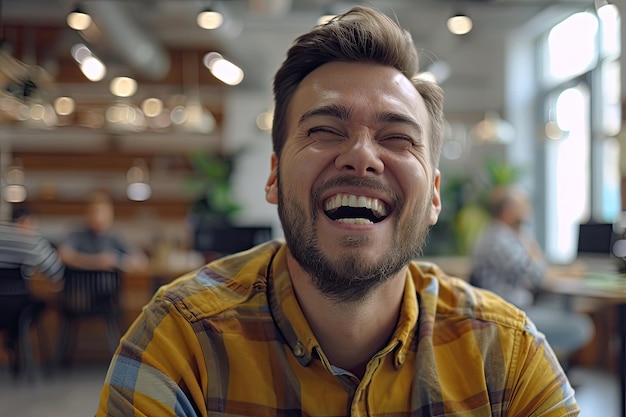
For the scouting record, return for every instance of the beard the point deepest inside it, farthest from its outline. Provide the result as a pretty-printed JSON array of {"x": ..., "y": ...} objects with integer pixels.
[{"x": 351, "y": 277}]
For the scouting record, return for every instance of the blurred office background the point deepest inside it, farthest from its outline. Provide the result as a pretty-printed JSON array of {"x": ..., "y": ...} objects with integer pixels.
[{"x": 173, "y": 119}]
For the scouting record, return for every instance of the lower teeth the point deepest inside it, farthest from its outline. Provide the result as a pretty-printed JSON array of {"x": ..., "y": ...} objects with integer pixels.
[{"x": 355, "y": 221}]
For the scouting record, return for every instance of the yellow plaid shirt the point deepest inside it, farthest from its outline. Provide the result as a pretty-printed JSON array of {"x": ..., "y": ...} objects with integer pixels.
[{"x": 231, "y": 340}]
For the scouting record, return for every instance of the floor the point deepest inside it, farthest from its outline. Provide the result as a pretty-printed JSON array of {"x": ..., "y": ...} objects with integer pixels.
[
  {"x": 72, "y": 393},
  {"x": 597, "y": 392},
  {"x": 75, "y": 393}
]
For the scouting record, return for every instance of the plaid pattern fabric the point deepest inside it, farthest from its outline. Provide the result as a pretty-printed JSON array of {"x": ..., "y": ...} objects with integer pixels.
[{"x": 231, "y": 340}]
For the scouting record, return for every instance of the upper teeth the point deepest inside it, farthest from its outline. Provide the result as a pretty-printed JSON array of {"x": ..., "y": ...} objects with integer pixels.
[{"x": 351, "y": 200}]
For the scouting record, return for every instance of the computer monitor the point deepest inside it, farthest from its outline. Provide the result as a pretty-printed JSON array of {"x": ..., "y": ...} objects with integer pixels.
[
  {"x": 595, "y": 238},
  {"x": 229, "y": 239}
]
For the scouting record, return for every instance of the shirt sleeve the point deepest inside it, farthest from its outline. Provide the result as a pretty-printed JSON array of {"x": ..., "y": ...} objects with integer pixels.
[
  {"x": 502, "y": 264},
  {"x": 539, "y": 386},
  {"x": 46, "y": 260},
  {"x": 121, "y": 245},
  {"x": 157, "y": 369},
  {"x": 515, "y": 261}
]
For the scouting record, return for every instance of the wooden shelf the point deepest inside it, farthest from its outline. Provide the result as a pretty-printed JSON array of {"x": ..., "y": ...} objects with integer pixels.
[
  {"x": 96, "y": 161},
  {"x": 123, "y": 209}
]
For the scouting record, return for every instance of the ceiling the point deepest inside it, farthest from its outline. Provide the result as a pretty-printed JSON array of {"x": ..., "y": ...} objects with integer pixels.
[
  {"x": 158, "y": 43},
  {"x": 256, "y": 37}
]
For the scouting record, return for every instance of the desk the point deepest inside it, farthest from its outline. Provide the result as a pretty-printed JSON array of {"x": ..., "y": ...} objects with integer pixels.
[
  {"x": 456, "y": 266},
  {"x": 610, "y": 287}
]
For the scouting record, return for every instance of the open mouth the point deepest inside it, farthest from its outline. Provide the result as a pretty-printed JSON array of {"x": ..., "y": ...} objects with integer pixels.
[{"x": 353, "y": 209}]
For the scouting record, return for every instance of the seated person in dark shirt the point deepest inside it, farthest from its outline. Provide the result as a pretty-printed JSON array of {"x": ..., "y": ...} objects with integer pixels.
[{"x": 95, "y": 246}]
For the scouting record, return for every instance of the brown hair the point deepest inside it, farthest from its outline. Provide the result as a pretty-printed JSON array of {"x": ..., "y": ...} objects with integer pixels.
[
  {"x": 100, "y": 197},
  {"x": 501, "y": 196},
  {"x": 359, "y": 35}
]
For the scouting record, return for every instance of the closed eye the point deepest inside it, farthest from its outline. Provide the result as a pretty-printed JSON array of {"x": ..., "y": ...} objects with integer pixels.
[
  {"x": 324, "y": 132},
  {"x": 397, "y": 142}
]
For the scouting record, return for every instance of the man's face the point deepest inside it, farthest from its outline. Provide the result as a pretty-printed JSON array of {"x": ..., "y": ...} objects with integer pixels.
[
  {"x": 520, "y": 210},
  {"x": 100, "y": 217},
  {"x": 355, "y": 188}
]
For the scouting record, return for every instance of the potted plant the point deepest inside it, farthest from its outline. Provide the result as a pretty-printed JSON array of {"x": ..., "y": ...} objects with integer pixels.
[
  {"x": 211, "y": 183},
  {"x": 464, "y": 217}
]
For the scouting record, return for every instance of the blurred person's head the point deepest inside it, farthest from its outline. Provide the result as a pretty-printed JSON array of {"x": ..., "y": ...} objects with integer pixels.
[
  {"x": 99, "y": 214},
  {"x": 22, "y": 214},
  {"x": 510, "y": 205}
]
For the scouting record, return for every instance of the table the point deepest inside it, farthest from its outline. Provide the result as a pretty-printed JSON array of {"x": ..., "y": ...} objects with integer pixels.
[{"x": 610, "y": 287}]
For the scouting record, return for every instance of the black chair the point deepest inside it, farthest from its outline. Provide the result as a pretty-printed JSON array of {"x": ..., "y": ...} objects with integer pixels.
[
  {"x": 88, "y": 294},
  {"x": 19, "y": 311}
]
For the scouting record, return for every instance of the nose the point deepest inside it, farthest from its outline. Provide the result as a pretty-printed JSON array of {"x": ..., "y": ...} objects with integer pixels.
[{"x": 360, "y": 154}]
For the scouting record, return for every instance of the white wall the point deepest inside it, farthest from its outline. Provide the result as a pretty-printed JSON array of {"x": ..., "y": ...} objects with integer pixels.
[{"x": 253, "y": 149}]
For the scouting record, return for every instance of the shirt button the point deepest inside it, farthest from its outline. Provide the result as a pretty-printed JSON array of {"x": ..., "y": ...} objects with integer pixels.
[
  {"x": 298, "y": 349},
  {"x": 400, "y": 359}
]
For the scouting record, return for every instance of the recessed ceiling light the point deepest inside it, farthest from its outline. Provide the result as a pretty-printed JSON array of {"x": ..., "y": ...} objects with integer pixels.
[
  {"x": 209, "y": 19},
  {"x": 78, "y": 19},
  {"x": 460, "y": 24}
]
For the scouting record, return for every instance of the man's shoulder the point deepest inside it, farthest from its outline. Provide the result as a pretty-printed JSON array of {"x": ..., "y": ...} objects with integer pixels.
[
  {"x": 221, "y": 285},
  {"x": 9, "y": 228},
  {"x": 80, "y": 232},
  {"x": 13, "y": 232},
  {"x": 455, "y": 298}
]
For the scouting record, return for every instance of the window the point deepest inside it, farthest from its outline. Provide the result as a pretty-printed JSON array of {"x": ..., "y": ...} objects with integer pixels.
[
  {"x": 581, "y": 77},
  {"x": 567, "y": 185},
  {"x": 571, "y": 47}
]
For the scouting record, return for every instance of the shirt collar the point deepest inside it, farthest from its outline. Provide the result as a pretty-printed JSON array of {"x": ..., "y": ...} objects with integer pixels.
[
  {"x": 406, "y": 327},
  {"x": 286, "y": 310},
  {"x": 296, "y": 330}
]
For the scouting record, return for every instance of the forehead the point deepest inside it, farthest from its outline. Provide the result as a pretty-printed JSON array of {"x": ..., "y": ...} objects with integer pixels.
[
  {"x": 99, "y": 207},
  {"x": 361, "y": 86}
]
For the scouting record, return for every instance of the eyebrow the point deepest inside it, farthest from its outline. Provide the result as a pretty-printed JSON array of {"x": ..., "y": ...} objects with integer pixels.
[
  {"x": 332, "y": 110},
  {"x": 343, "y": 113},
  {"x": 389, "y": 117}
]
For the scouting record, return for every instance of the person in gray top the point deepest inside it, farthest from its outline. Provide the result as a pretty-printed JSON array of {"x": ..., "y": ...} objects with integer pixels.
[
  {"x": 508, "y": 261},
  {"x": 507, "y": 258}
]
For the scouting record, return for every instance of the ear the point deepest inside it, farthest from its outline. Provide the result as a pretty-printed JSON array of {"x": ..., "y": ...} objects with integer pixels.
[
  {"x": 435, "y": 208},
  {"x": 271, "y": 186}
]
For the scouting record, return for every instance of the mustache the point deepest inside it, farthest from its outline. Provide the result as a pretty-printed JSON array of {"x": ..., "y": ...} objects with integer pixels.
[{"x": 352, "y": 181}]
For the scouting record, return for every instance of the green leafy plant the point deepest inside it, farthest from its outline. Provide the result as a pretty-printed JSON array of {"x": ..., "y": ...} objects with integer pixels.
[
  {"x": 211, "y": 183},
  {"x": 502, "y": 173},
  {"x": 464, "y": 213}
]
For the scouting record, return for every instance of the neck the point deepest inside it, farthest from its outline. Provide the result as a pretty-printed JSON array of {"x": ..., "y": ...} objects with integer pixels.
[{"x": 350, "y": 333}]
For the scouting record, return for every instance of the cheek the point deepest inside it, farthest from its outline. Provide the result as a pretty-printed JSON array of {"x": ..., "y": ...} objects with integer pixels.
[
  {"x": 302, "y": 168},
  {"x": 418, "y": 188},
  {"x": 291, "y": 177}
]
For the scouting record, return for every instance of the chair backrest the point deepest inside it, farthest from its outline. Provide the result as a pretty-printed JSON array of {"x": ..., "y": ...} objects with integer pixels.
[
  {"x": 14, "y": 297},
  {"x": 88, "y": 292},
  {"x": 12, "y": 282}
]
